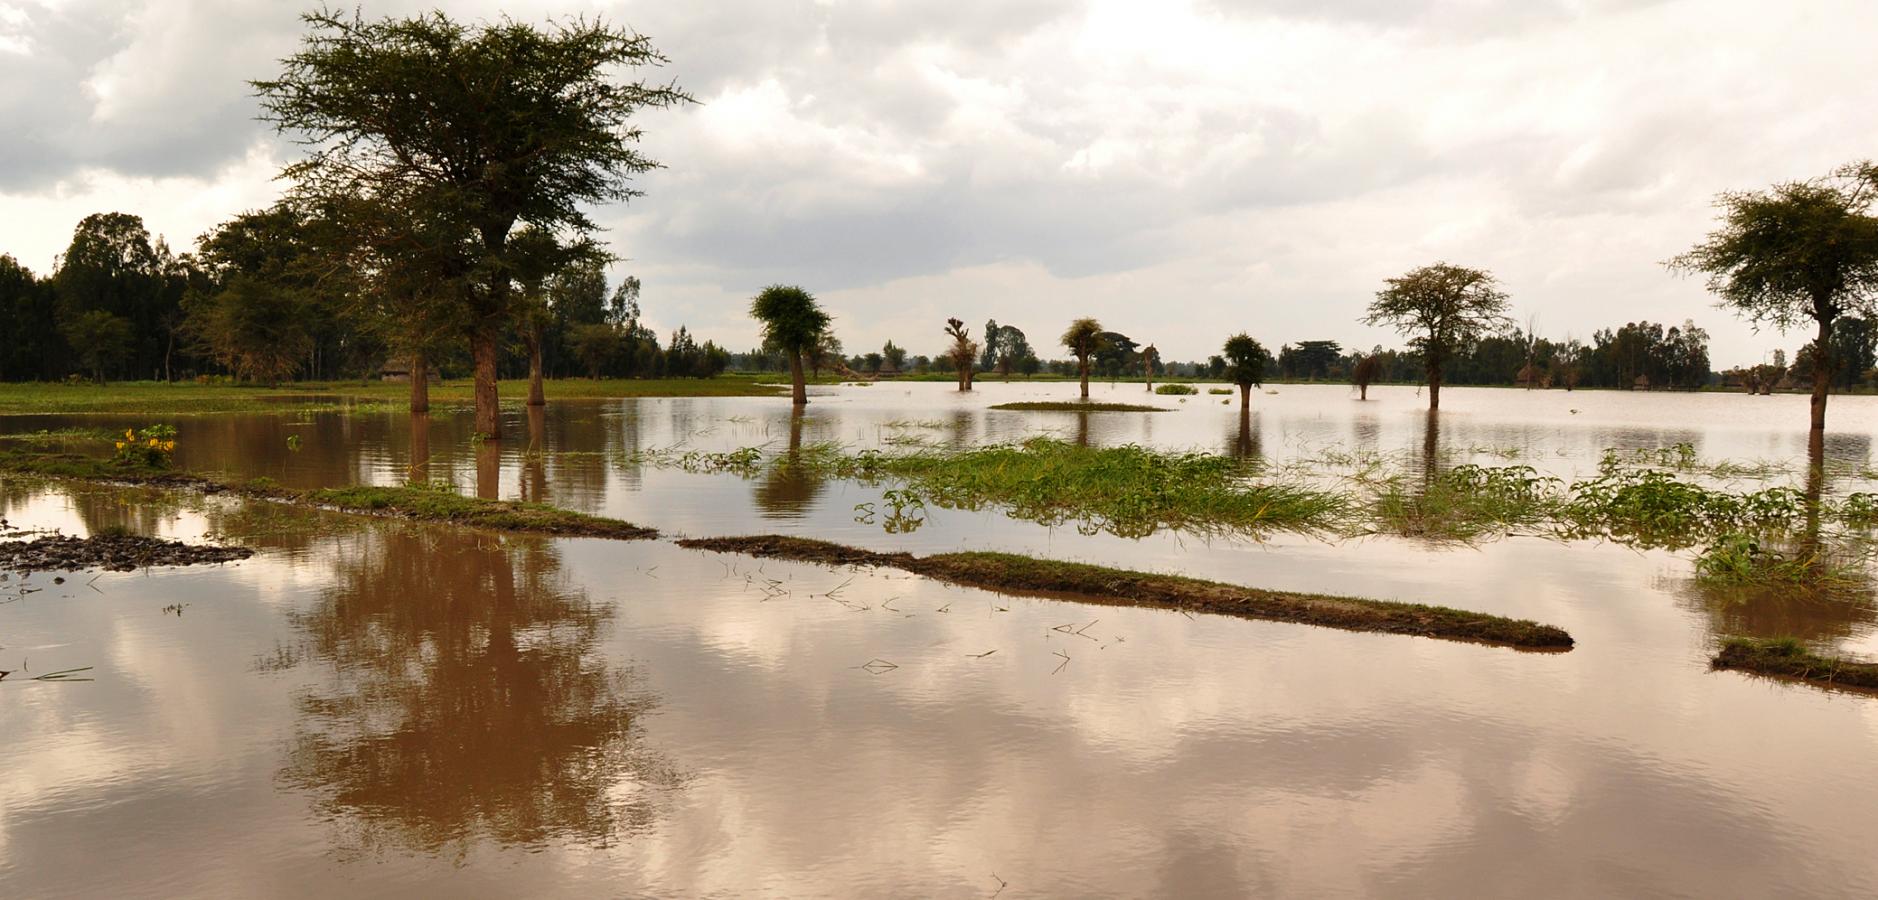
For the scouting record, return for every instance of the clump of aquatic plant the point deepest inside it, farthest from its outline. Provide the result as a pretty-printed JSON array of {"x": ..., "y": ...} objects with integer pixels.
[
  {"x": 1467, "y": 502},
  {"x": 745, "y": 461},
  {"x": 1220, "y": 392},
  {"x": 150, "y": 448},
  {"x": 1176, "y": 390},
  {"x": 1738, "y": 559},
  {"x": 1129, "y": 491},
  {"x": 1652, "y": 507}
]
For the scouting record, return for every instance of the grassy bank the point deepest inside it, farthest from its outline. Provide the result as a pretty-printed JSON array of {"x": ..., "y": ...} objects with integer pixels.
[
  {"x": 1789, "y": 658},
  {"x": 190, "y": 398},
  {"x": 1009, "y": 573}
]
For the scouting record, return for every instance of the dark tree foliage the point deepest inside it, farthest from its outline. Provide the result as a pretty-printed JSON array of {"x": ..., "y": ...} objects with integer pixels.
[
  {"x": 113, "y": 269},
  {"x": 494, "y": 125},
  {"x": 33, "y": 349}
]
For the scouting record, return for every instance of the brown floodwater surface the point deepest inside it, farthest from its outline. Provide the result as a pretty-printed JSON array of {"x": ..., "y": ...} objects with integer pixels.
[{"x": 379, "y": 708}]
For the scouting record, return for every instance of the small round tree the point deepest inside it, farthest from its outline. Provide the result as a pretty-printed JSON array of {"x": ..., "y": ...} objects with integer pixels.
[
  {"x": 793, "y": 324},
  {"x": 1441, "y": 309},
  {"x": 1245, "y": 366},
  {"x": 1084, "y": 340}
]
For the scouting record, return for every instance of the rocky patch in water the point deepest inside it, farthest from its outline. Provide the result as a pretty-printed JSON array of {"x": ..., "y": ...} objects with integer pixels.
[{"x": 112, "y": 553}]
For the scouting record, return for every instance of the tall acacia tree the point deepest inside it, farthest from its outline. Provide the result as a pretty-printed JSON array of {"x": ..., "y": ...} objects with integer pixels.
[
  {"x": 503, "y": 123},
  {"x": 1798, "y": 251},
  {"x": 1441, "y": 309},
  {"x": 793, "y": 324},
  {"x": 1245, "y": 366},
  {"x": 1083, "y": 340}
]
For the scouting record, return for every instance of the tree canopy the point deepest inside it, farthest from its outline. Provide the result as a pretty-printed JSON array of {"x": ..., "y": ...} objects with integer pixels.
[
  {"x": 487, "y": 126},
  {"x": 1441, "y": 309},
  {"x": 1798, "y": 251}
]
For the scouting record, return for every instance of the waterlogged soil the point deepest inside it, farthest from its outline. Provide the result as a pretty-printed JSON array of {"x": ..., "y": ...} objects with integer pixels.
[
  {"x": 1099, "y": 584},
  {"x": 382, "y": 706},
  {"x": 109, "y": 553}
]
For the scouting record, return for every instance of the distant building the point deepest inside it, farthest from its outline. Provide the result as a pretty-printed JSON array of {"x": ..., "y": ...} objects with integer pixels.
[{"x": 399, "y": 369}]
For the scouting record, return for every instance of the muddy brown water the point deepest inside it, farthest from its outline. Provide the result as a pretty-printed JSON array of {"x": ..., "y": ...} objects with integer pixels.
[{"x": 375, "y": 708}]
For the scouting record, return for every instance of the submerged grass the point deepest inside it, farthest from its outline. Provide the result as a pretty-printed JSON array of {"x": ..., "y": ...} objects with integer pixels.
[
  {"x": 431, "y": 504},
  {"x": 1129, "y": 491},
  {"x": 1790, "y": 658},
  {"x": 1011, "y": 573},
  {"x": 1076, "y": 406}
]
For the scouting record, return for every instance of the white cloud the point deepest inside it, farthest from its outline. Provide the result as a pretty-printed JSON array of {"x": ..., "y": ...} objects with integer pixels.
[{"x": 1260, "y": 163}]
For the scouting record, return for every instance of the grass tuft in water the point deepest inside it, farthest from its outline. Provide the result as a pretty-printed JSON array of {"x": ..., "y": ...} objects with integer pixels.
[
  {"x": 1076, "y": 406},
  {"x": 1129, "y": 491},
  {"x": 1790, "y": 658}
]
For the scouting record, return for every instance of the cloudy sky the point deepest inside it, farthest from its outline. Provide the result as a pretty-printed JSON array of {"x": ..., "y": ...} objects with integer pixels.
[{"x": 1178, "y": 169}]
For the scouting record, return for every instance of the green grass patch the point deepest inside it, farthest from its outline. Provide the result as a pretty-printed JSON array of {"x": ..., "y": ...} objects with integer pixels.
[
  {"x": 1789, "y": 658},
  {"x": 1011, "y": 573},
  {"x": 191, "y": 398},
  {"x": 1076, "y": 406},
  {"x": 1129, "y": 491},
  {"x": 1176, "y": 390},
  {"x": 431, "y": 504}
]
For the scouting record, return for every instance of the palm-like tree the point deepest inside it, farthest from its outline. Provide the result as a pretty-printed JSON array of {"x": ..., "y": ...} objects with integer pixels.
[
  {"x": 792, "y": 324},
  {"x": 1083, "y": 340},
  {"x": 1245, "y": 365}
]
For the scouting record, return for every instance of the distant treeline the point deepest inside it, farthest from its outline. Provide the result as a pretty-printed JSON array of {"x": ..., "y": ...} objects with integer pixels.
[
  {"x": 245, "y": 303},
  {"x": 1637, "y": 355}
]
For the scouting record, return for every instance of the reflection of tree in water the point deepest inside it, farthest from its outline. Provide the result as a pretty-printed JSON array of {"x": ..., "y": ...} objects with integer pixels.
[
  {"x": 1246, "y": 441},
  {"x": 469, "y": 700},
  {"x": 787, "y": 488},
  {"x": 137, "y": 510}
]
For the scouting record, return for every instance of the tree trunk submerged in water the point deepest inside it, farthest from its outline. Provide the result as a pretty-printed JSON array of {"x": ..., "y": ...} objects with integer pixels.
[
  {"x": 799, "y": 392},
  {"x": 1084, "y": 366},
  {"x": 420, "y": 383},
  {"x": 536, "y": 397},
  {"x": 488, "y": 409},
  {"x": 1823, "y": 365}
]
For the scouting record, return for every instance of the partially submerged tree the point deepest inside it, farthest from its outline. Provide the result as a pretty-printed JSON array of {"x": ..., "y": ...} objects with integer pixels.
[
  {"x": 1799, "y": 251},
  {"x": 1084, "y": 339},
  {"x": 1365, "y": 373},
  {"x": 1245, "y": 367},
  {"x": 502, "y": 123},
  {"x": 1150, "y": 358},
  {"x": 793, "y": 324},
  {"x": 964, "y": 352},
  {"x": 1441, "y": 309}
]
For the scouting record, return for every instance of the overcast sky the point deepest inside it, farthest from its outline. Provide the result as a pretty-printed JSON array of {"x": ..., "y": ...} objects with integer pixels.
[{"x": 1179, "y": 170}]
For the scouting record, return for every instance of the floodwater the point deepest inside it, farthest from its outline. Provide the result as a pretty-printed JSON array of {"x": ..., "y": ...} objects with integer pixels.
[{"x": 379, "y": 708}]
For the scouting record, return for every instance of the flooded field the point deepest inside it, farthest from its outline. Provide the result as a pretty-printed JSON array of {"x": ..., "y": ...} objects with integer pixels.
[{"x": 376, "y": 707}]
